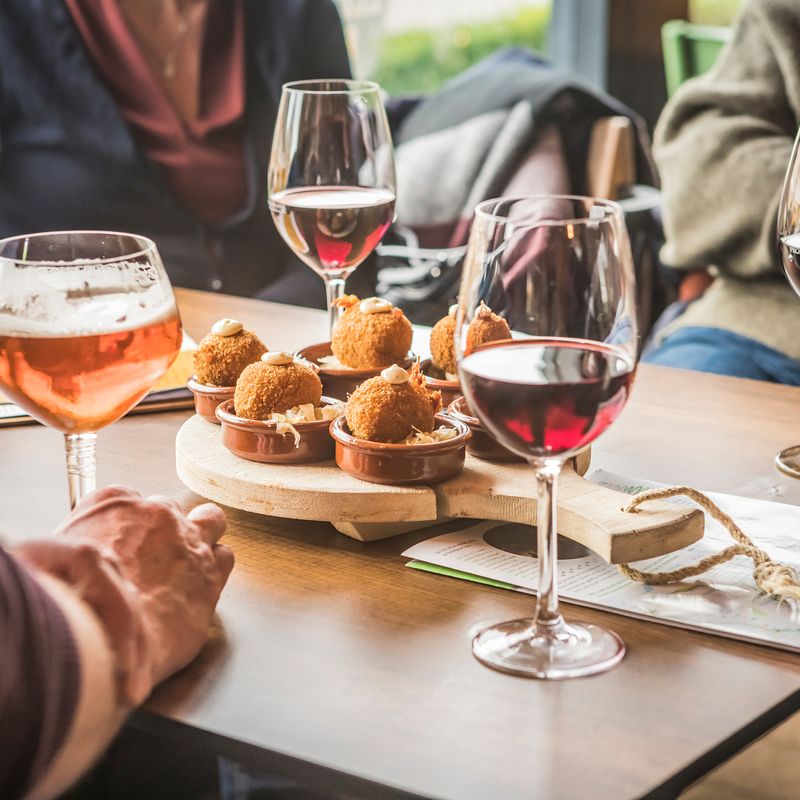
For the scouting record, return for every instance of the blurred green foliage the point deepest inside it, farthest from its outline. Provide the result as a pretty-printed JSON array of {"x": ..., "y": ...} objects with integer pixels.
[
  {"x": 713, "y": 12},
  {"x": 419, "y": 61},
  {"x": 422, "y": 60}
]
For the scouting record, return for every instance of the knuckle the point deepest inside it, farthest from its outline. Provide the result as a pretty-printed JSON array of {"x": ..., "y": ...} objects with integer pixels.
[
  {"x": 88, "y": 554},
  {"x": 87, "y": 551},
  {"x": 115, "y": 491},
  {"x": 161, "y": 516},
  {"x": 225, "y": 558},
  {"x": 164, "y": 522}
]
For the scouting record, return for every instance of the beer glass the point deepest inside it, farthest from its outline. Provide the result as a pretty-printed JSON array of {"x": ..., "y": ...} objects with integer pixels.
[{"x": 88, "y": 325}]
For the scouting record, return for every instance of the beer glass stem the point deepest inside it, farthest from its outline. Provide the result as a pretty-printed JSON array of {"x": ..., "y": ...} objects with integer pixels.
[{"x": 81, "y": 465}]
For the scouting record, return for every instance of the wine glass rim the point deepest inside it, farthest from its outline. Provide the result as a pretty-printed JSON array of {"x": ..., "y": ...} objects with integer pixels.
[
  {"x": 147, "y": 245},
  {"x": 350, "y": 86},
  {"x": 611, "y": 207}
]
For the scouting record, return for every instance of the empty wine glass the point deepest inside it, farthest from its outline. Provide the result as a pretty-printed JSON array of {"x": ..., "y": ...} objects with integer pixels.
[
  {"x": 559, "y": 271},
  {"x": 88, "y": 325},
  {"x": 788, "y": 460},
  {"x": 331, "y": 176}
]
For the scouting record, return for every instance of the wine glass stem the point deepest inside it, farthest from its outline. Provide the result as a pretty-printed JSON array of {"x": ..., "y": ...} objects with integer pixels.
[
  {"x": 548, "y": 617},
  {"x": 81, "y": 465},
  {"x": 335, "y": 289}
]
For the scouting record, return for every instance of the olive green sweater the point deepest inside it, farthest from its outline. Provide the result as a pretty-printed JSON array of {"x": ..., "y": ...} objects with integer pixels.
[{"x": 722, "y": 147}]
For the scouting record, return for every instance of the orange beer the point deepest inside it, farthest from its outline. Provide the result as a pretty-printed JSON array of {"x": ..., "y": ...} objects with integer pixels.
[{"x": 81, "y": 383}]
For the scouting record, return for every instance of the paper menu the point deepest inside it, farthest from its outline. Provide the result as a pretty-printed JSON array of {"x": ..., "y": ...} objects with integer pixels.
[
  {"x": 182, "y": 368},
  {"x": 723, "y": 601}
]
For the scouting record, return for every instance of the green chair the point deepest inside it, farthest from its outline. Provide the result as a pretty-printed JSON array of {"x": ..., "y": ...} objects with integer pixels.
[{"x": 690, "y": 50}]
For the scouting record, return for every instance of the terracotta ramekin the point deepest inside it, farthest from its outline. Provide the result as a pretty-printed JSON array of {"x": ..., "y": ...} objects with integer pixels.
[
  {"x": 450, "y": 389},
  {"x": 207, "y": 398},
  {"x": 258, "y": 440},
  {"x": 401, "y": 464},
  {"x": 340, "y": 383},
  {"x": 481, "y": 445}
]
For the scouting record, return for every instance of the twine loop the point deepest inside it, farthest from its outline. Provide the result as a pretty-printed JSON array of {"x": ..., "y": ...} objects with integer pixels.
[{"x": 771, "y": 578}]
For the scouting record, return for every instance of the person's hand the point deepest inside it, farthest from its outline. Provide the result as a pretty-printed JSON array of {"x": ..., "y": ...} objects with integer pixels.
[{"x": 152, "y": 575}]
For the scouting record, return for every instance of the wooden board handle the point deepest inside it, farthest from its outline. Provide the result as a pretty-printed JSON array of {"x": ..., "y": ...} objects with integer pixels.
[{"x": 587, "y": 513}]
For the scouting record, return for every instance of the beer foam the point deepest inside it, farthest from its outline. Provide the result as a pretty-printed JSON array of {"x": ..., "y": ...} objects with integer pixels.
[{"x": 45, "y": 312}]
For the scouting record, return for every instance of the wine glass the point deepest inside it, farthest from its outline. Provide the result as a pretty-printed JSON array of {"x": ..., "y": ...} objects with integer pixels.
[
  {"x": 331, "y": 176},
  {"x": 88, "y": 325},
  {"x": 788, "y": 460},
  {"x": 559, "y": 270}
]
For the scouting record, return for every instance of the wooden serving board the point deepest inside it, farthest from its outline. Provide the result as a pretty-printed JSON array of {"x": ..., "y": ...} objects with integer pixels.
[{"x": 589, "y": 514}]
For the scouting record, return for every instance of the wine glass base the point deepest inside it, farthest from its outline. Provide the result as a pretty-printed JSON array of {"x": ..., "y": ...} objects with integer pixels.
[
  {"x": 788, "y": 461},
  {"x": 577, "y": 650}
]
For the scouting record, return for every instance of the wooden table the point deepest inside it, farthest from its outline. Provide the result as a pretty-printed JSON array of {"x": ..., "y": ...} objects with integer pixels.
[{"x": 333, "y": 663}]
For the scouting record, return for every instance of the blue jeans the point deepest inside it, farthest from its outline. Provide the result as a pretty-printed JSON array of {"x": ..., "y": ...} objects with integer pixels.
[
  {"x": 723, "y": 353},
  {"x": 240, "y": 783}
]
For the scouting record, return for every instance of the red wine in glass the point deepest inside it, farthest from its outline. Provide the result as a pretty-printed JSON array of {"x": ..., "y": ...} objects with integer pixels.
[
  {"x": 547, "y": 397},
  {"x": 559, "y": 270},
  {"x": 333, "y": 228}
]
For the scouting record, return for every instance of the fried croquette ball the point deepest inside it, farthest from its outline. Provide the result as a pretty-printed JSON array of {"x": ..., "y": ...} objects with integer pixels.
[
  {"x": 380, "y": 411},
  {"x": 370, "y": 333},
  {"x": 264, "y": 389},
  {"x": 485, "y": 327},
  {"x": 221, "y": 357},
  {"x": 442, "y": 344}
]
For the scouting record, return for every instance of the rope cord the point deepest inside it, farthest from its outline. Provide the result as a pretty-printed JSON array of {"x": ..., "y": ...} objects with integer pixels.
[{"x": 771, "y": 578}]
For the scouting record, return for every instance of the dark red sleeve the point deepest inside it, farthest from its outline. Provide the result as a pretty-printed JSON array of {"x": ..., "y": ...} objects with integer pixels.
[{"x": 39, "y": 679}]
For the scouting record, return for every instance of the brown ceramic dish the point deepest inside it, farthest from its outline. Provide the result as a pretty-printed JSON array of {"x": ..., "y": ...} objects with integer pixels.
[
  {"x": 481, "y": 445},
  {"x": 207, "y": 398},
  {"x": 259, "y": 440},
  {"x": 340, "y": 383},
  {"x": 436, "y": 382},
  {"x": 401, "y": 464}
]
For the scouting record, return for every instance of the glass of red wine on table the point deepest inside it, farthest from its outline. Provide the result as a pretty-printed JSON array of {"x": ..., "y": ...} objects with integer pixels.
[
  {"x": 88, "y": 325},
  {"x": 331, "y": 176},
  {"x": 788, "y": 460},
  {"x": 559, "y": 270}
]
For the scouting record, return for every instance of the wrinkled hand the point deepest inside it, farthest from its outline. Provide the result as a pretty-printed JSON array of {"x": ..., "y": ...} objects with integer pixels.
[{"x": 152, "y": 575}]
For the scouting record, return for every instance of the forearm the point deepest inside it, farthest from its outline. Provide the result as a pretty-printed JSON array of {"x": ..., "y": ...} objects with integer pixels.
[
  {"x": 119, "y": 599},
  {"x": 93, "y": 575},
  {"x": 60, "y": 696},
  {"x": 98, "y": 714}
]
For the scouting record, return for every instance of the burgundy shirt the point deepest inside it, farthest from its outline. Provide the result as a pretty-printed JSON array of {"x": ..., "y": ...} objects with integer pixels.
[
  {"x": 39, "y": 679},
  {"x": 203, "y": 162}
]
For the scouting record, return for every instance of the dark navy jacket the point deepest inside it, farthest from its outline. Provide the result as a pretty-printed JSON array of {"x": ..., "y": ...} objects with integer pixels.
[{"x": 68, "y": 160}]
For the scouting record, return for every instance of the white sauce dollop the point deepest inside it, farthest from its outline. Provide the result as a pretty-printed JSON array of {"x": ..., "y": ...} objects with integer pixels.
[
  {"x": 375, "y": 305},
  {"x": 395, "y": 375},
  {"x": 278, "y": 358},
  {"x": 227, "y": 327}
]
